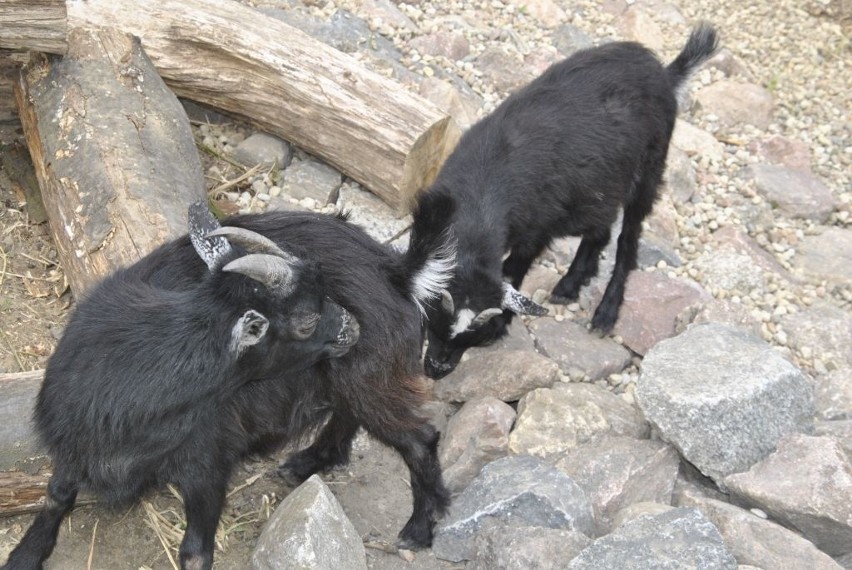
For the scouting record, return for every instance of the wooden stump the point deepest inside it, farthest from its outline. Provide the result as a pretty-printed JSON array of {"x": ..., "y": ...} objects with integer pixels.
[{"x": 113, "y": 151}]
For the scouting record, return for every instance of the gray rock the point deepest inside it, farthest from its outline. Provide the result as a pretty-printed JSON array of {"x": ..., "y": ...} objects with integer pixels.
[
  {"x": 796, "y": 193},
  {"x": 695, "y": 141},
  {"x": 18, "y": 442},
  {"x": 833, "y": 395},
  {"x": 547, "y": 12},
  {"x": 568, "y": 39},
  {"x": 827, "y": 256},
  {"x": 841, "y": 430},
  {"x": 757, "y": 541},
  {"x": 719, "y": 311},
  {"x": 311, "y": 179},
  {"x": 652, "y": 303},
  {"x": 519, "y": 491},
  {"x": 636, "y": 510},
  {"x": 343, "y": 31},
  {"x": 368, "y": 211},
  {"x": 503, "y": 375},
  {"x": 638, "y": 25},
  {"x": 805, "y": 485},
  {"x": 261, "y": 148},
  {"x": 452, "y": 45},
  {"x": 618, "y": 471},
  {"x": 309, "y": 530},
  {"x": 731, "y": 237},
  {"x": 824, "y": 328},
  {"x": 477, "y": 435},
  {"x": 783, "y": 151},
  {"x": 680, "y": 178},
  {"x": 653, "y": 250},
  {"x": 726, "y": 62},
  {"x": 736, "y": 103},
  {"x": 526, "y": 548},
  {"x": 506, "y": 73},
  {"x": 577, "y": 351},
  {"x": 729, "y": 270},
  {"x": 555, "y": 420},
  {"x": 677, "y": 539},
  {"x": 723, "y": 397},
  {"x": 539, "y": 278}
]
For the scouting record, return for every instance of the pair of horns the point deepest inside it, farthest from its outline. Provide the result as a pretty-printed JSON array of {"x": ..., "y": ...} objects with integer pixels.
[{"x": 266, "y": 262}]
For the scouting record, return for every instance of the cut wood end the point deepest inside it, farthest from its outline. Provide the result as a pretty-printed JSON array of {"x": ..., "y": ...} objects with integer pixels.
[{"x": 425, "y": 160}]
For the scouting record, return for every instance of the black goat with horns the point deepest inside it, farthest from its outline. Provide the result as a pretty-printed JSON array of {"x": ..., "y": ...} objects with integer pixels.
[
  {"x": 560, "y": 157},
  {"x": 233, "y": 341}
]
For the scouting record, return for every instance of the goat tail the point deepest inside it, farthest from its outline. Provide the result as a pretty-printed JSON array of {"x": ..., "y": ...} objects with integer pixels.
[
  {"x": 431, "y": 257},
  {"x": 701, "y": 45}
]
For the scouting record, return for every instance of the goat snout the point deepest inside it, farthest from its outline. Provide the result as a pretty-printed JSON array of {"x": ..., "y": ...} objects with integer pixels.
[{"x": 436, "y": 369}]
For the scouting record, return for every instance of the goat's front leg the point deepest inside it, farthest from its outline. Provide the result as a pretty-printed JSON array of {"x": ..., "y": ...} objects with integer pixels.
[
  {"x": 203, "y": 501},
  {"x": 583, "y": 267},
  {"x": 40, "y": 539}
]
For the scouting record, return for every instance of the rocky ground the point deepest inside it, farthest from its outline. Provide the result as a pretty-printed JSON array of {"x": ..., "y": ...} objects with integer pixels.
[{"x": 721, "y": 406}]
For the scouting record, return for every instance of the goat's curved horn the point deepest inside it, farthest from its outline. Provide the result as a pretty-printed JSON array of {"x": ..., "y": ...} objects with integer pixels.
[
  {"x": 447, "y": 302},
  {"x": 271, "y": 270},
  {"x": 201, "y": 223},
  {"x": 486, "y": 316},
  {"x": 252, "y": 242},
  {"x": 518, "y": 304}
]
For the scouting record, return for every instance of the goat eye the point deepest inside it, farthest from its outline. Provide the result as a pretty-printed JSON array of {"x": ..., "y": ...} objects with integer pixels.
[{"x": 305, "y": 326}]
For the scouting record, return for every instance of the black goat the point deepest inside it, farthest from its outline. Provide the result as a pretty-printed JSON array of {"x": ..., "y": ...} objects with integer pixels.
[
  {"x": 177, "y": 367},
  {"x": 559, "y": 157}
]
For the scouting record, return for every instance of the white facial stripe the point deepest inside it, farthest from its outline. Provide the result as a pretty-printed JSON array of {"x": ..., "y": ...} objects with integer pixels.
[{"x": 463, "y": 320}]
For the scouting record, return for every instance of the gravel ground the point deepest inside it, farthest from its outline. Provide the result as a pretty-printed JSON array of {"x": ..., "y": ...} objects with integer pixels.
[{"x": 802, "y": 58}]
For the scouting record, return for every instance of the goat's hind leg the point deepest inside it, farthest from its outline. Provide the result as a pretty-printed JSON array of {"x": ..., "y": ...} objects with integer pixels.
[
  {"x": 204, "y": 499},
  {"x": 627, "y": 253},
  {"x": 418, "y": 446},
  {"x": 330, "y": 449},
  {"x": 40, "y": 539}
]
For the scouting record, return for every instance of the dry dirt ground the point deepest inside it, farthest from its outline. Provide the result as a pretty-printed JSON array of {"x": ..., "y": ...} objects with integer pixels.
[{"x": 34, "y": 304}]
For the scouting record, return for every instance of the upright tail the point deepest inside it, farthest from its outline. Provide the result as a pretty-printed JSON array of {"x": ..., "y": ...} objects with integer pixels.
[
  {"x": 431, "y": 257},
  {"x": 701, "y": 45}
]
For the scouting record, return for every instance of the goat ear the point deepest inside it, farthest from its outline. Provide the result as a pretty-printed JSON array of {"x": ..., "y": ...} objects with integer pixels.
[
  {"x": 447, "y": 302},
  {"x": 202, "y": 222},
  {"x": 519, "y": 304},
  {"x": 248, "y": 331}
]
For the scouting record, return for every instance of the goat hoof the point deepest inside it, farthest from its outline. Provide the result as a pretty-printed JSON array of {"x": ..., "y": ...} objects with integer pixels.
[
  {"x": 291, "y": 475},
  {"x": 409, "y": 543},
  {"x": 603, "y": 323},
  {"x": 415, "y": 536}
]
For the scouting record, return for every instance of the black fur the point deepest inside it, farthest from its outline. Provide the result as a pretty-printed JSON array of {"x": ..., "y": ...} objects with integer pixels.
[
  {"x": 142, "y": 390},
  {"x": 560, "y": 157}
]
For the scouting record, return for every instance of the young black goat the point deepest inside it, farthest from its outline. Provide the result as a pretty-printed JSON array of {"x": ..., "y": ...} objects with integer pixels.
[
  {"x": 559, "y": 157},
  {"x": 176, "y": 368}
]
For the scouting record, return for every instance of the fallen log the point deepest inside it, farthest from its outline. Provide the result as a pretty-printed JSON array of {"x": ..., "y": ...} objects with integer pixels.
[
  {"x": 39, "y": 25},
  {"x": 231, "y": 57},
  {"x": 10, "y": 63},
  {"x": 21, "y": 492},
  {"x": 113, "y": 151}
]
